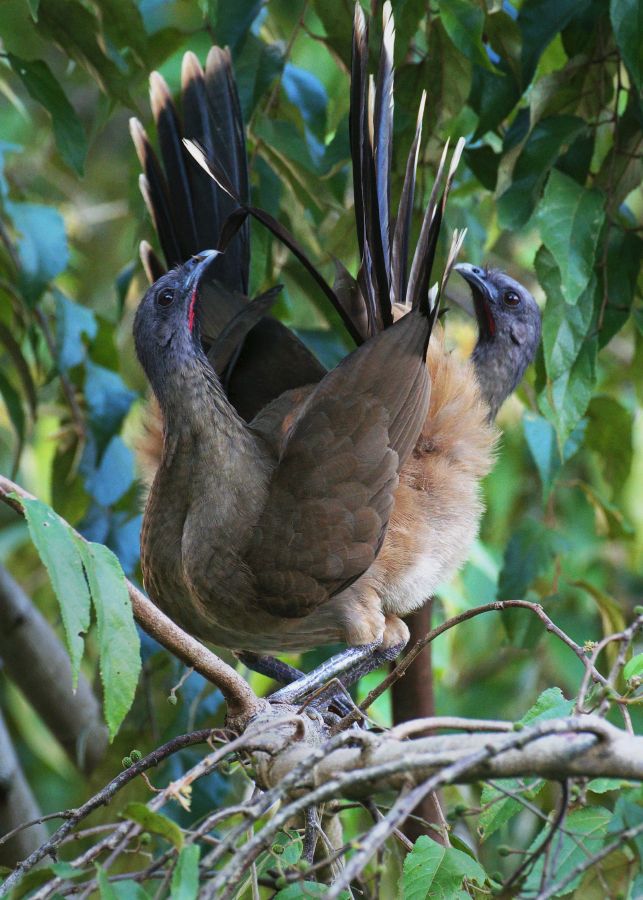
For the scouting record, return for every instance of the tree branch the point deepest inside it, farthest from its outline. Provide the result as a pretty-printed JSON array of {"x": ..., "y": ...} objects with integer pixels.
[
  {"x": 17, "y": 805},
  {"x": 38, "y": 664}
]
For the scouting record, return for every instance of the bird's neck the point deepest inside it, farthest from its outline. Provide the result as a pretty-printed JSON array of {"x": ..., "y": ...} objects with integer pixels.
[
  {"x": 498, "y": 370},
  {"x": 196, "y": 411}
]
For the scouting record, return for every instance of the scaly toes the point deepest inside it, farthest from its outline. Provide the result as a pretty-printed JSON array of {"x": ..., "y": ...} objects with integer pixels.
[{"x": 395, "y": 633}]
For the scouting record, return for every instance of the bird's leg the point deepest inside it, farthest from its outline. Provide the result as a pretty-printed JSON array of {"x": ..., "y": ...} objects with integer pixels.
[
  {"x": 269, "y": 666},
  {"x": 376, "y": 659},
  {"x": 332, "y": 668}
]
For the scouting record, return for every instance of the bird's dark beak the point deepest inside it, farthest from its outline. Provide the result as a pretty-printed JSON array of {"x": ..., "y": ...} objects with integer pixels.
[
  {"x": 483, "y": 297},
  {"x": 196, "y": 269}
]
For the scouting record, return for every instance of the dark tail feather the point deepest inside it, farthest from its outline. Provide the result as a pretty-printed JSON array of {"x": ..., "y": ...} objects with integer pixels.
[
  {"x": 276, "y": 228},
  {"x": 155, "y": 192},
  {"x": 420, "y": 277},
  {"x": 383, "y": 132},
  {"x": 174, "y": 158},
  {"x": 402, "y": 233},
  {"x": 370, "y": 184},
  {"x": 230, "y": 340},
  {"x": 230, "y": 150},
  {"x": 187, "y": 208},
  {"x": 153, "y": 266}
]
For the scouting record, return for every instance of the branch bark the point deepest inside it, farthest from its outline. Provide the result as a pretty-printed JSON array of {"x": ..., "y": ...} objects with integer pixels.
[
  {"x": 38, "y": 664},
  {"x": 17, "y": 805}
]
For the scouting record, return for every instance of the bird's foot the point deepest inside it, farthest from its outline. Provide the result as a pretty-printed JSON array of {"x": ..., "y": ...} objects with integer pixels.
[{"x": 332, "y": 668}]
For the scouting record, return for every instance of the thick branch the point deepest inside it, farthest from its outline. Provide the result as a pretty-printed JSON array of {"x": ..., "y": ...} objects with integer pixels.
[
  {"x": 36, "y": 661},
  {"x": 562, "y": 748},
  {"x": 17, "y": 805},
  {"x": 241, "y": 700}
]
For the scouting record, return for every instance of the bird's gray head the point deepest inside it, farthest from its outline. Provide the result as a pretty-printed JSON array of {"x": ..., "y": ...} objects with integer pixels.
[
  {"x": 166, "y": 326},
  {"x": 509, "y": 331}
]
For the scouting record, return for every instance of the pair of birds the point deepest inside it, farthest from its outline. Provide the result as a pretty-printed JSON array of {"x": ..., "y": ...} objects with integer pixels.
[{"x": 294, "y": 507}]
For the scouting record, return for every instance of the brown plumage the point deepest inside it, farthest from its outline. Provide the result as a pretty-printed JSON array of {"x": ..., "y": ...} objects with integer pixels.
[{"x": 436, "y": 505}]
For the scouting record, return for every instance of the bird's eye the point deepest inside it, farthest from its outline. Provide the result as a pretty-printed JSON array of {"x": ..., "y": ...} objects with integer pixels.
[
  {"x": 511, "y": 298},
  {"x": 165, "y": 298}
]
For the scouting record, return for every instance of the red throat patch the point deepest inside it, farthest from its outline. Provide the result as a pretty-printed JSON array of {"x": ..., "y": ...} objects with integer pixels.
[
  {"x": 191, "y": 310},
  {"x": 487, "y": 309}
]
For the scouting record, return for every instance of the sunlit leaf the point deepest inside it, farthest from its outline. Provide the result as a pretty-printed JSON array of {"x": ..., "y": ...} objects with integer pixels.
[
  {"x": 119, "y": 644},
  {"x": 431, "y": 870},
  {"x": 185, "y": 878},
  {"x": 634, "y": 668},
  {"x": 60, "y": 554},
  {"x": 464, "y": 23},
  {"x": 570, "y": 219},
  {"x": 159, "y": 824}
]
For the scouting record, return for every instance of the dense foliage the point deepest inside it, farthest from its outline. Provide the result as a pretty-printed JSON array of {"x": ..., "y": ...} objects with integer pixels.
[{"x": 547, "y": 94}]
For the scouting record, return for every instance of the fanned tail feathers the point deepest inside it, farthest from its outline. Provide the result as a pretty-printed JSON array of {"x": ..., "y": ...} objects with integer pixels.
[
  {"x": 188, "y": 209},
  {"x": 371, "y": 133}
]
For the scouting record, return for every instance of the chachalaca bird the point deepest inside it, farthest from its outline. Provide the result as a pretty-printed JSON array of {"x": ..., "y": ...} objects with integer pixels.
[{"x": 437, "y": 506}]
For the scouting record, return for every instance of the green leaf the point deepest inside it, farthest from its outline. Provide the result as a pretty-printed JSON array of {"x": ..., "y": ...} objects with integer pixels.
[
  {"x": 570, "y": 219},
  {"x": 256, "y": 68},
  {"x": 540, "y": 22},
  {"x": 584, "y": 835},
  {"x": 156, "y": 823},
  {"x": 59, "y": 551},
  {"x": 42, "y": 247},
  {"x": 446, "y": 70},
  {"x": 185, "y": 877},
  {"x": 77, "y": 31},
  {"x": 541, "y": 440},
  {"x": 464, "y": 23},
  {"x": 16, "y": 412},
  {"x": 605, "y": 785},
  {"x": 542, "y": 147},
  {"x": 72, "y": 323},
  {"x": 129, "y": 890},
  {"x": 609, "y": 433},
  {"x": 118, "y": 640},
  {"x": 529, "y": 555},
  {"x": 564, "y": 400},
  {"x": 634, "y": 668},
  {"x": 551, "y": 704},
  {"x": 624, "y": 253},
  {"x": 105, "y": 889},
  {"x": 498, "y": 808},
  {"x": 431, "y": 870},
  {"x": 565, "y": 327},
  {"x": 303, "y": 889},
  {"x": 43, "y": 87},
  {"x": 627, "y": 22}
]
